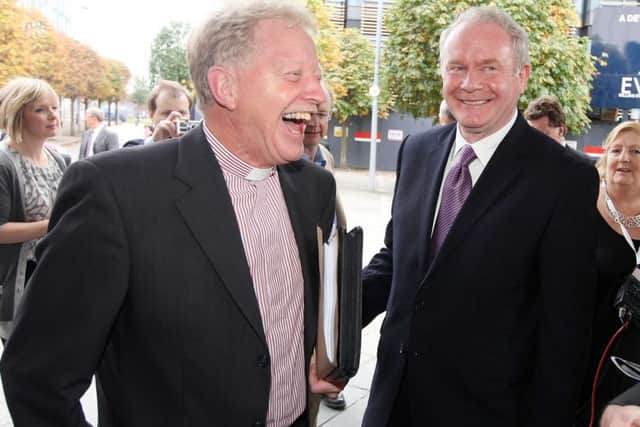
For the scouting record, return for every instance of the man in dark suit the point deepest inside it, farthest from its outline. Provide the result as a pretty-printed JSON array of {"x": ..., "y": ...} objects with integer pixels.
[
  {"x": 487, "y": 271},
  {"x": 97, "y": 138},
  {"x": 186, "y": 273}
]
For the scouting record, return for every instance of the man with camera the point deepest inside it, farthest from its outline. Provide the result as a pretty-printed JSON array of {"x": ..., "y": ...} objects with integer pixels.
[{"x": 169, "y": 105}]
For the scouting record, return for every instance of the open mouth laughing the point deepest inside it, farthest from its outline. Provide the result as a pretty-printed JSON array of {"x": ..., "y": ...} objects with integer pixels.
[{"x": 296, "y": 121}]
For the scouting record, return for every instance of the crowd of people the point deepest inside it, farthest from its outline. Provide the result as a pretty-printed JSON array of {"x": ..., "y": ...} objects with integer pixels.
[{"x": 185, "y": 275}]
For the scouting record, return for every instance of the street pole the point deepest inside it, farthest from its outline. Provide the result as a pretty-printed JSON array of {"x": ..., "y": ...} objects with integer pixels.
[{"x": 374, "y": 91}]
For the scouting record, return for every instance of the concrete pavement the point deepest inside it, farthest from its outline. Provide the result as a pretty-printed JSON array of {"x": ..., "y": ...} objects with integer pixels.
[{"x": 365, "y": 208}]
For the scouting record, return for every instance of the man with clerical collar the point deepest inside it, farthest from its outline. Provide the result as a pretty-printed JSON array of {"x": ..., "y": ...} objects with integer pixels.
[{"x": 185, "y": 274}]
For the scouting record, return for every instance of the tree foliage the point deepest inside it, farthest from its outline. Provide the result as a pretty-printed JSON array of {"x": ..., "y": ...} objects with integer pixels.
[
  {"x": 30, "y": 46},
  {"x": 140, "y": 92},
  {"x": 326, "y": 39},
  {"x": 169, "y": 55},
  {"x": 13, "y": 41},
  {"x": 560, "y": 61},
  {"x": 351, "y": 80}
]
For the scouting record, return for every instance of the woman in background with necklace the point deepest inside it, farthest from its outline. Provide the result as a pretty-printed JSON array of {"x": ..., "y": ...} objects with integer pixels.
[{"x": 618, "y": 234}]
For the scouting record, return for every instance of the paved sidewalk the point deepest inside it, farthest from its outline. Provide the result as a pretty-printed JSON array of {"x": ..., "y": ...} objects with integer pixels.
[{"x": 365, "y": 208}]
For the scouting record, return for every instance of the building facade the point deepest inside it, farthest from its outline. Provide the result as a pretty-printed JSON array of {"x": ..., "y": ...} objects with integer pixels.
[{"x": 614, "y": 30}]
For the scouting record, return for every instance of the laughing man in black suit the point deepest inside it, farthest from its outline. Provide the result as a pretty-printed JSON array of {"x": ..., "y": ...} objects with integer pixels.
[{"x": 186, "y": 273}]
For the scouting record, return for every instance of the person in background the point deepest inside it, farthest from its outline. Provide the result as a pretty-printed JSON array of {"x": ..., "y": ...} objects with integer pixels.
[
  {"x": 168, "y": 103},
  {"x": 487, "y": 272},
  {"x": 545, "y": 114},
  {"x": 185, "y": 274},
  {"x": 618, "y": 240},
  {"x": 97, "y": 138},
  {"x": 29, "y": 176},
  {"x": 316, "y": 152},
  {"x": 444, "y": 114}
]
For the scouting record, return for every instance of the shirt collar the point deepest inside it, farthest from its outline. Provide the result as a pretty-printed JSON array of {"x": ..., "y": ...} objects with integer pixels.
[
  {"x": 232, "y": 164},
  {"x": 485, "y": 147}
]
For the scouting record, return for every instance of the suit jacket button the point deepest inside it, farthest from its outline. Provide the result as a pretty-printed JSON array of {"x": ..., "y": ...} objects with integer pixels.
[
  {"x": 262, "y": 361},
  {"x": 419, "y": 305},
  {"x": 402, "y": 349}
]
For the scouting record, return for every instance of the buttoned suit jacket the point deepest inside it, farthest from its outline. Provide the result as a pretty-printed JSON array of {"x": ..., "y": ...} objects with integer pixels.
[
  {"x": 143, "y": 277},
  {"x": 106, "y": 140},
  {"x": 495, "y": 330}
]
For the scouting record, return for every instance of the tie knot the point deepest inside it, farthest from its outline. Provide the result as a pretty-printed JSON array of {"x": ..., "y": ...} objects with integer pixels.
[{"x": 467, "y": 155}]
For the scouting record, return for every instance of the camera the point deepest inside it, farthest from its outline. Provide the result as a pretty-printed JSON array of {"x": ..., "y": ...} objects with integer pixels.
[
  {"x": 184, "y": 126},
  {"x": 627, "y": 301}
]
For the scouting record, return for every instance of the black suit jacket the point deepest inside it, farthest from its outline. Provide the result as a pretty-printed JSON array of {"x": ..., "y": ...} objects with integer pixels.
[
  {"x": 143, "y": 278},
  {"x": 495, "y": 331}
]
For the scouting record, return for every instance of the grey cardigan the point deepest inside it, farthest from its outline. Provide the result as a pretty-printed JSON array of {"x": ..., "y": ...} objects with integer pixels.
[{"x": 13, "y": 257}]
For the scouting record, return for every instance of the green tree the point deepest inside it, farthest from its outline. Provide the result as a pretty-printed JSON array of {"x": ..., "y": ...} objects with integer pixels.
[
  {"x": 560, "y": 61},
  {"x": 140, "y": 94},
  {"x": 118, "y": 76},
  {"x": 351, "y": 80},
  {"x": 169, "y": 55},
  {"x": 326, "y": 39}
]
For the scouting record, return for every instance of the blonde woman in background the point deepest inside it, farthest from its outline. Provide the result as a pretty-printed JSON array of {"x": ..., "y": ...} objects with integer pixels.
[
  {"x": 618, "y": 234},
  {"x": 29, "y": 177}
]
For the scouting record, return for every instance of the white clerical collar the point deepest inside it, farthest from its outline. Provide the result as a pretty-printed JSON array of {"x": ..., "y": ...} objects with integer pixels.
[
  {"x": 485, "y": 147},
  {"x": 232, "y": 164},
  {"x": 258, "y": 174}
]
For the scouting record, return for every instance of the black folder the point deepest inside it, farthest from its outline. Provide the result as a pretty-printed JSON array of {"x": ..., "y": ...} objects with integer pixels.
[{"x": 341, "y": 323}]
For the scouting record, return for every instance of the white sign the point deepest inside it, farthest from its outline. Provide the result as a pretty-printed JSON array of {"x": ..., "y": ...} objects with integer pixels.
[
  {"x": 395, "y": 134},
  {"x": 629, "y": 87},
  {"x": 629, "y": 18}
]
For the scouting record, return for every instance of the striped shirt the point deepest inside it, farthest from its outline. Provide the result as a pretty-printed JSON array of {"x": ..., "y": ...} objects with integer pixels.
[{"x": 274, "y": 263}]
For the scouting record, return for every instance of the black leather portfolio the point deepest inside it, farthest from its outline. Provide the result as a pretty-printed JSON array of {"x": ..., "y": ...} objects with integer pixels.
[{"x": 340, "y": 307}]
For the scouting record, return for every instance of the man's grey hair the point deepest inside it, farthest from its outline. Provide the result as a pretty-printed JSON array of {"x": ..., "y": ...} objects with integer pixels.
[
  {"x": 227, "y": 37},
  {"x": 497, "y": 16},
  {"x": 95, "y": 112}
]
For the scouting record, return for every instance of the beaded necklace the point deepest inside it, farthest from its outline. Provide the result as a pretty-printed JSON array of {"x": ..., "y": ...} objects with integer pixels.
[{"x": 627, "y": 221}]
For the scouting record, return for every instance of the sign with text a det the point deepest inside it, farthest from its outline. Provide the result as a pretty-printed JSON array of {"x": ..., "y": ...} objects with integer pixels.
[{"x": 616, "y": 32}]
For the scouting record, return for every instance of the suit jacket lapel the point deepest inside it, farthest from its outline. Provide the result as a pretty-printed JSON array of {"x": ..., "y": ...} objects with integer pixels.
[
  {"x": 304, "y": 231},
  {"x": 207, "y": 210},
  {"x": 497, "y": 177}
]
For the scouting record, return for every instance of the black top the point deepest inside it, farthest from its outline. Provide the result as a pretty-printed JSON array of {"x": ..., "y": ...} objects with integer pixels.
[{"x": 615, "y": 262}]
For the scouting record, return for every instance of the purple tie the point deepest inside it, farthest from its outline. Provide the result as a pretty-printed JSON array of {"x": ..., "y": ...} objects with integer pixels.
[{"x": 455, "y": 190}]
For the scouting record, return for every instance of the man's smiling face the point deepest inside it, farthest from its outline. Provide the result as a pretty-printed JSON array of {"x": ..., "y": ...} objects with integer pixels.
[{"x": 481, "y": 83}]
